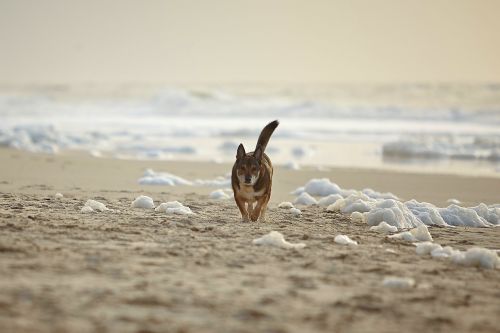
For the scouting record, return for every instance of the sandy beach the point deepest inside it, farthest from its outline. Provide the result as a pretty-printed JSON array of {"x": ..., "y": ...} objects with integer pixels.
[{"x": 135, "y": 270}]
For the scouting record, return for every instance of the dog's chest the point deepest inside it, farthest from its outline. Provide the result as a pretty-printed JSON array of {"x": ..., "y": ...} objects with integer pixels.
[{"x": 249, "y": 194}]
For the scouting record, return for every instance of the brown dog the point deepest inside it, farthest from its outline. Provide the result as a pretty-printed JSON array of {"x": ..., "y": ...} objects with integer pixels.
[{"x": 252, "y": 177}]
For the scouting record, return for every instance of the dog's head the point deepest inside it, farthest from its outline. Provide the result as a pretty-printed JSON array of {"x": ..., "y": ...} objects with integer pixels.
[{"x": 248, "y": 166}]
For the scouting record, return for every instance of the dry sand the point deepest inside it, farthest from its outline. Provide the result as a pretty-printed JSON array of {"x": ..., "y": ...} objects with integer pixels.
[{"x": 132, "y": 270}]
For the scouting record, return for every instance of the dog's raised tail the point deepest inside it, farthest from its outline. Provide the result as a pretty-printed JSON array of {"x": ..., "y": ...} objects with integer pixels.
[{"x": 265, "y": 135}]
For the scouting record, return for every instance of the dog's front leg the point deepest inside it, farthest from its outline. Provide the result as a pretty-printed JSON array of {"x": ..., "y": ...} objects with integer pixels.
[
  {"x": 254, "y": 216},
  {"x": 262, "y": 216},
  {"x": 241, "y": 205}
]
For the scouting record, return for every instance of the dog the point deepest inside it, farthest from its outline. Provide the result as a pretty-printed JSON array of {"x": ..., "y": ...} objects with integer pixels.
[{"x": 252, "y": 177}]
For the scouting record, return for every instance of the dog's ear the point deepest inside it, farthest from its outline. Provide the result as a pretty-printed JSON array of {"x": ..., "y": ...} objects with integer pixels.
[
  {"x": 240, "y": 152},
  {"x": 258, "y": 153}
]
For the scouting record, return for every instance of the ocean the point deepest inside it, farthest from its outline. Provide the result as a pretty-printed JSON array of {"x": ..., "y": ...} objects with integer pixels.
[{"x": 441, "y": 128}]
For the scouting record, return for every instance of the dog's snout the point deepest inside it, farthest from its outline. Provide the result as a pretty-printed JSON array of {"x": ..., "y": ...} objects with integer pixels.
[{"x": 248, "y": 179}]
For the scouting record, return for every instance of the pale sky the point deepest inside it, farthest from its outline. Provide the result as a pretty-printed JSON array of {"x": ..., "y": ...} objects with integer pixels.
[{"x": 309, "y": 41}]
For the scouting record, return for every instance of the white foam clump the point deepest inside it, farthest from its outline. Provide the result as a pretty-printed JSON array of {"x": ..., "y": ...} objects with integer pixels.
[
  {"x": 379, "y": 207},
  {"x": 358, "y": 217},
  {"x": 398, "y": 282},
  {"x": 344, "y": 240},
  {"x": 174, "y": 207},
  {"x": 478, "y": 257},
  {"x": 454, "y": 201},
  {"x": 295, "y": 211},
  {"x": 305, "y": 199},
  {"x": 220, "y": 181},
  {"x": 384, "y": 228},
  {"x": 143, "y": 202},
  {"x": 329, "y": 200},
  {"x": 276, "y": 239},
  {"x": 162, "y": 178},
  {"x": 86, "y": 209},
  {"x": 461, "y": 216},
  {"x": 320, "y": 187},
  {"x": 392, "y": 212},
  {"x": 93, "y": 205},
  {"x": 58, "y": 195},
  {"x": 219, "y": 195},
  {"x": 357, "y": 202},
  {"x": 424, "y": 248},
  {"x": 286, "y": 205},
  {"x": 419, "y": 234}
]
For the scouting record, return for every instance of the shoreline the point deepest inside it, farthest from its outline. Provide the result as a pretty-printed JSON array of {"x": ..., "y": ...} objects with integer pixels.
[{"x": 22, "y": 171}]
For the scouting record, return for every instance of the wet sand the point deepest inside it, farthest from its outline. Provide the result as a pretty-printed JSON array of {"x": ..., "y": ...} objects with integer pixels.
[{"x": 133, "y": 270}]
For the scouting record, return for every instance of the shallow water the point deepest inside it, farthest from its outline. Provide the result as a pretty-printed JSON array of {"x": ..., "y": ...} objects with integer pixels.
[{"x": 444, "y": 129}]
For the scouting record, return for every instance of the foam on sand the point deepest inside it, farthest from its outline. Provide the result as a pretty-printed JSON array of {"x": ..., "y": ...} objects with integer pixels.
[
  {"x": 152, "y": 177},
  {"x": 174, "y": 207},
  {"x": 419, "y": 234},
  {"x": 58, "y": 196},
  {"x": 398, "y": 282},
  {"x": 344, "y": 240},
  {"x": 329, "y": 200},
  {"x": 295, "y": 211},
  {"x": 219, "y": 195},
  {"x": 305, "y": 199},
  {"x": 276, "y": 239},
  {"x": 143, "y": 202},
  {"x": 476, "y": 256},
  {"x": 93, "y": 205},
  {"x": 424, "y": 248},
  {"x": 162, "y": 178},
  {"x": 358, "y": 217},
  {"x": 285, "y": 205},
  {"x": 384, "y": 228},
  {"x": 386, "y": 207}
]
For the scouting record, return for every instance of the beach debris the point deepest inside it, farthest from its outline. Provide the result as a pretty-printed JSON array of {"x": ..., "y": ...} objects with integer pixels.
[
  {"x": 295, "y": 211},
  {"x": 276, "y": 239},
  {"x": 143, "y": 202},
  {"x": 383, "y": 227},
  {"x": 305, "y": 199},
  {"x": 219, "y": 195},
  {"x": 173, "y": 207},
  {"x": 398, "y": 282},
  {"x": 58, "y": 196},
  {"x": 344, "y": 240}
]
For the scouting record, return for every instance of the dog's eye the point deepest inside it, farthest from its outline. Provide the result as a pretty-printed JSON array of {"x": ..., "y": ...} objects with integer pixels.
[{"x": 254, "y": 168}]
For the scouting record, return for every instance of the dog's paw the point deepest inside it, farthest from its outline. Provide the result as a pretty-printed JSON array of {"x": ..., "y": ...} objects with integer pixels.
[
  {"x": 245, "y": 219},
  {"x": 254, "y": 217}
]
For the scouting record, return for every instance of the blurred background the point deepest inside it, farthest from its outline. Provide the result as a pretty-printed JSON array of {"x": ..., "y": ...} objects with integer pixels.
[{"x": 390, "y": 84}]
